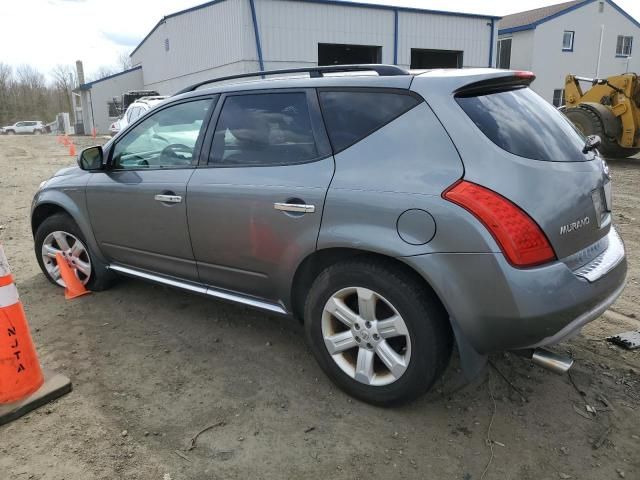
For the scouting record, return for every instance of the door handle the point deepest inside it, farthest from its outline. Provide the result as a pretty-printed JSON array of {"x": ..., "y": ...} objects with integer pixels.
[
  {"x": 294, "y": 207},
  {"x": 168, "y": 198}
]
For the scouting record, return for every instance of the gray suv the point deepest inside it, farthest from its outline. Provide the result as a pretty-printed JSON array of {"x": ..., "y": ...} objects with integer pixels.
[{"x": 394, "y": 214}]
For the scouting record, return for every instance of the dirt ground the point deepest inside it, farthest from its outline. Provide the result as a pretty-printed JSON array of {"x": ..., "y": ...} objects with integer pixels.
[{"x": 152, "y": 367}]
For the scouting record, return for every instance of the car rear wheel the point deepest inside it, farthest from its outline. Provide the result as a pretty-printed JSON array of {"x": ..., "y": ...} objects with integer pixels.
[
  {"x": 37, "y": 132},
  {"x": 60, "y": 234},
  {"x": 377, "y": 332}
]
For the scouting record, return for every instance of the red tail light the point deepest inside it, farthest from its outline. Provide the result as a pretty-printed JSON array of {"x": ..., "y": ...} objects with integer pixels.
[{"x": 519, "y": 236}]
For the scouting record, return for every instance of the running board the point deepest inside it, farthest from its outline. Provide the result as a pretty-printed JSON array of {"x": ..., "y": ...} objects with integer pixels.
[{"x": 212, "y": 292}]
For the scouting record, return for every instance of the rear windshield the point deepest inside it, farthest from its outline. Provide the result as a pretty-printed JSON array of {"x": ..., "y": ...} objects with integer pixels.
[{"x": 521, "y": 122}]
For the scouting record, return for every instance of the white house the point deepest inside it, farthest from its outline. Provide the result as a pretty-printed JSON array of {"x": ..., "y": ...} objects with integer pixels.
[{"x": 591, "y": 38}]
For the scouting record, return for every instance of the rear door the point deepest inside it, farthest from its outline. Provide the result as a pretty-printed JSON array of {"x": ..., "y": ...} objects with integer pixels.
[
  {"x": 256, "y": 204},
  {"x": 138, "y": 207}
]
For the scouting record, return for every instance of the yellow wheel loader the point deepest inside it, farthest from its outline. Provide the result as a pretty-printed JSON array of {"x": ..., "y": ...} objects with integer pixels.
[{"x": 609, "y": 109}]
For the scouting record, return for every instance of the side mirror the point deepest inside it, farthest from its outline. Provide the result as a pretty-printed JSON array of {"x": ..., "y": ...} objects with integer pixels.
[{"x": 91, "y": 158}]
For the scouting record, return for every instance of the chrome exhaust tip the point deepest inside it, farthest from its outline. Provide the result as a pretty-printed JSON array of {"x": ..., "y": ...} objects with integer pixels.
[{"x": 551, "y": 361}]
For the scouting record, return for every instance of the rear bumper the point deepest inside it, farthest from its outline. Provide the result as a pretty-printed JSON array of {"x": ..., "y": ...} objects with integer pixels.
[{"x": 499, "y": 307}]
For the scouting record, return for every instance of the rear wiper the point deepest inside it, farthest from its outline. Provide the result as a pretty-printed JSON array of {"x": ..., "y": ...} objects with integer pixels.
[{"x": 591, "y": 143}]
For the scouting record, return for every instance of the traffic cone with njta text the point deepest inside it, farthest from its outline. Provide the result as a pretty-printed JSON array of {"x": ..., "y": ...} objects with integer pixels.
[
  {"x": 72, "y": 285},
  {"x": 24, "y": 386}
]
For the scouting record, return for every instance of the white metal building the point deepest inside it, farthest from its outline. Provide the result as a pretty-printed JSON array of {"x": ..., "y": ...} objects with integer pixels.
[
  {"x": 96, "y": 97},
  {"x": 225, "y": 37},
  {"x": 591, "y": 38}
]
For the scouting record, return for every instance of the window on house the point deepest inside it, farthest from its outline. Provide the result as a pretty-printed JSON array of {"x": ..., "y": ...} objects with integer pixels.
[
  {"x": 623, "y": 46},
  {"x": 504, "y": 53},
  {"x": 567, "y": 41},
  {"x": 558, "y": 97}
]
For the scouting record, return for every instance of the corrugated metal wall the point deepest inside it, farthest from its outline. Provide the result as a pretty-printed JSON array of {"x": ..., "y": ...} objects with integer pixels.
[
  {"x": 204, "y": 42},
  {"x": 219, "y": 39},
  {"x": 290, "y": 31},
  {"x": 103, "y": 92},
  {"x": 445, "y": 32}
]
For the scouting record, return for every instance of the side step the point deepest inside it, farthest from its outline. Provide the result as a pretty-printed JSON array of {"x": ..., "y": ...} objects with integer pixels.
[{"x": 201, "y": 289}]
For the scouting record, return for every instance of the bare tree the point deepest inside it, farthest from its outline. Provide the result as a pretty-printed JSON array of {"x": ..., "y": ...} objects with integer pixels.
[
  {"x": 64, "y": 81},
  {"x": 25, "y": 95},
  {"x": 102, "y": 72},
  {"x": 124, "y": 61}
]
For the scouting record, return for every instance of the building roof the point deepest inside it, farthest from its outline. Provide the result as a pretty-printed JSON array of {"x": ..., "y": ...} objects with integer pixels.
[
  {"x": 88, "y": 85},
  {"x": 343, "y": 3},
  {"x": 530, "y": 19}
]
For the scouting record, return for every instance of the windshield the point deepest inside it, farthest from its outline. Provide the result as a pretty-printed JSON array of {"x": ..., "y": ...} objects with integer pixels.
[{"x": 523, "y": 123}]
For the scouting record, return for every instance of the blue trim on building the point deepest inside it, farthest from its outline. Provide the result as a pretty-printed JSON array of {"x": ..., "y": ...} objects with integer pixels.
[
  {"x": 396, "y": 14},
  {"x": 254, "y": 19},
  {"x": 625, "y": 14},
  {"x": 88, "y": 85},
  {"x": 493, "y": 28},
  {"x": 345, "y": 3},
  {"x": 533, "y": 25}
]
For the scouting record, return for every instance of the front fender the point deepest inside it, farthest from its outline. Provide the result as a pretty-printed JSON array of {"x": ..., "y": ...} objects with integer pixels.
[{"x": 71, "y": 200}]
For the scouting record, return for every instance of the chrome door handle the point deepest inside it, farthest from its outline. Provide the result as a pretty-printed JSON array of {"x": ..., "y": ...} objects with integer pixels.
[
  {"x": 168, "y": 198},
  {"x": 295, "y": 207}
]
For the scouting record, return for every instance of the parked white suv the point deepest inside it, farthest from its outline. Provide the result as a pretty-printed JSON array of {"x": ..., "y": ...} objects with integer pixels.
[
  {"x": 30, "y": 127},
  {"x": 135, "y": 111}
]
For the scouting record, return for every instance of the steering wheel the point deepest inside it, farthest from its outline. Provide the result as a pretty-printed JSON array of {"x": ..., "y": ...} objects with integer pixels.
[{"x": 173, "y": 148}]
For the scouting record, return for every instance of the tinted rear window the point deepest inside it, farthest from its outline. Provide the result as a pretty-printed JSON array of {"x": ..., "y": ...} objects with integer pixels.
[
  {"x": 521, "y": 122},
  {"x": 352, "y": 115}
]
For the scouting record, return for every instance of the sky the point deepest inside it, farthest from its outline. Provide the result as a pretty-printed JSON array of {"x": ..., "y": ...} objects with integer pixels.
[{"x": 44, "y": 33}]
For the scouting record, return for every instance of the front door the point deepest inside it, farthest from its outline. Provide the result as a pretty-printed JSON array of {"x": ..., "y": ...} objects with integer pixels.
[
  {"x": 138, "y": 206},
  {"x": 255, "y": 207}
]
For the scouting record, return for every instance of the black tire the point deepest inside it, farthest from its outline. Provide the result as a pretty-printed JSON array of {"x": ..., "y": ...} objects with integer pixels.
[
  {"x": 589, "y": 122},
  {"x": 101, "y": 278},
  {"x": 10, "y": 132},
  {"x": 425, "y": 318}
]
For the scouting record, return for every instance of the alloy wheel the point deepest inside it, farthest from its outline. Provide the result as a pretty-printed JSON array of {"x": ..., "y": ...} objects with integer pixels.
[
  {"x": 366, "y": 336},
  {"x": 74, "y": 252}
]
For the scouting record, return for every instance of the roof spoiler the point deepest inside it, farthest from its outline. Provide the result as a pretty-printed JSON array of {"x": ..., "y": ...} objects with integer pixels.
[
  {"x": 497, "y": 82},
  {"x": 381, "y": 69}
]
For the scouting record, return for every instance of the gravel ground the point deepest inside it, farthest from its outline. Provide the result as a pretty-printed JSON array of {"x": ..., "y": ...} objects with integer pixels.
[{"x": 152, "y": 367}]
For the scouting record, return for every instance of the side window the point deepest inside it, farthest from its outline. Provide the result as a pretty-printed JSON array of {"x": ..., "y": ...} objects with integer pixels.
[
  {"x": 166, "y": 139},
  {"x": 264, "y": 129},
  {"x": 351, "y": 116}
]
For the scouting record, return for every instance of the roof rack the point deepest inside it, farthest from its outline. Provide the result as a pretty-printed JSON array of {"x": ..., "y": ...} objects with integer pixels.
[{"x": 314, "y": 72}]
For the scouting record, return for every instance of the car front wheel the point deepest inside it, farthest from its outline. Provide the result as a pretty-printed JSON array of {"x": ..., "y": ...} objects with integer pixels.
[
  {"x": 60, "y": 234},
  {"x": 377, "y": 331}
]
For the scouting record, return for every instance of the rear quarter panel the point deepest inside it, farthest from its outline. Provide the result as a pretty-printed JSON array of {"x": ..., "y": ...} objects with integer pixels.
[
  {"x": 406, "y": 164},
  {"x": 552, "y": 193}
]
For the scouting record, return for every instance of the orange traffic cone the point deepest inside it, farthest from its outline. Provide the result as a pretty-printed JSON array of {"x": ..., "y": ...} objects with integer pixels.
[
  {"x": 72, "y": 150},
  {"x": 65, "y": 140},
  {"x": 73, "y": 285},
  {"x": 93, "y": 132},
  {"x": 23, "y": 386}
]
